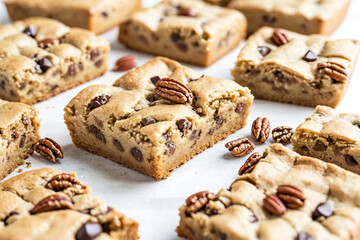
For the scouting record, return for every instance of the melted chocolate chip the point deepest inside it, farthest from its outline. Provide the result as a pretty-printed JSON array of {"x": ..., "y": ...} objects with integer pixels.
[
  {"x": 319, "y": 146},
  {"x": 151, "y": 98},
  {"x": 263, "y": 50},
  {"x": 97, "y": 132},
  {"x": 94, "y": 54},
  {"x": 211, "y": 131},
  {"x": 269, "y": 19},
  {"x": 25, "y": 121},
  {"x": 240, "y": 107},
  {"x": 222, "y": 236},
  {"x": 71, "y": 71},
  {"x": 304, "y": 236},
  {"x": 31, "y": 31},
  {"x": 22, "y": 140},
  {"x": 310, "y": 56},
  {"x": 118, "y": 145},
  {"x": 136, "y": 153},
  {"x": 175, "y": 37},
  {"x": 99, "y": 101},
  {"x": 81, "y": 66},
  {"x": 219, "y": 121},
  {"x": 183, "y": 125},
  {"x": 99, "y": 63},
  {"x": 350, "y": 160},
  {"x": 104, "y": 14},
  {"x": 167, "y": 135},
  {"x": 44, "y": 64},
  {"x": 322, "y": 210},
  {"x": 170, "y": 148},
  {"x": 155, "y": 79},
  {"x": 195, "y": 134},
  {"x": 88, "y": 231},
  {"x": 2, "y": 84},
  {"x": 279, "y": 76},
  {"x": 183, "y": 47},
  {"x": 21, "y": 85},
  {"x": 147, "y": 121}
]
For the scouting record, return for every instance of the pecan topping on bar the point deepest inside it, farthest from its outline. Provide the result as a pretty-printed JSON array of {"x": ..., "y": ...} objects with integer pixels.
[
  {"x": 282, "y": 134},
  {"x": 260, "y": 130},
  {"x": 173, "y": 90},
  {"x": 336, "y": 71},
  {"x": 88, "y": 231},
  {"x": 274, "y": 205},
  {"x": 291, "y": 196},
  {"x": 49, "y": 149},
  {"x": 279, "y": 37},
  {"x": 323, "y": 210},
  {"x": 125, "y": 63},
  {"x": 240, "y": 147},
  {"x": 52, "y": 203},
  {"x": 198, "y": 200},
  {"x": 250, "y": 163},
  {"x": 62, "y": 181}
]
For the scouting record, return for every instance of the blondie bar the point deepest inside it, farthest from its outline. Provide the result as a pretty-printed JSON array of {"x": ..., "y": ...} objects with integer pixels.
[
  {"x": 157, "y": 116},
  {"x": 49, "y": 204},
  {"x": 330, "y": 136},
  {"x": 19, "y": 132},
  {"x": 40, "y": 57},
  {"x": 306, "y": 17},
  {"x": 96, "y": 15},
  {"x": 284, "y": 66},
  {"x": 285, "y": 196},
  {"x": 185, "y": 30}
]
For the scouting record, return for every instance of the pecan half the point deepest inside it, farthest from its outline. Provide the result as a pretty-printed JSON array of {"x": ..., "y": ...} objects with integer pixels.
[
  {"x": 279, "y": 37},
  {"x": 52, "y": 203},
  {"x": 173, "y": 90},
  {"x": 282, "y": 134},
  {"x": 291, "y": 196},
  {"x": 274, "y": 205},
  {"x": 336, "y": 71},
  {"x": 250, "y": 163},
  {"x": 260, "y": 129},
  {"x": 240, "y": 147},
  {"x": 198, "y": 200},
  {"x": 49, "y": 149},
  {"x": 62, "y": 181},
  {"x": 125, "y": 63}
]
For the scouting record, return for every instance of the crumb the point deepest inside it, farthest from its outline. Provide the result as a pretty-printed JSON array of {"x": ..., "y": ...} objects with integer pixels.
[
  {"x": 123, "y": 173},
  {"x": 20, "y": 170},
  {"x": 28, "y": 164}
]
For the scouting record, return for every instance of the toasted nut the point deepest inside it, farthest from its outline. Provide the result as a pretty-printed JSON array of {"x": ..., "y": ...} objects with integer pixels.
[
  {"x": 291, "y": 196},
  {"x": 336, "y": 71},
  {"x": 250, "y": 163},
  {"x": 198, "y": 200},
  {"x": 260, "y": 130},
  {"x": 125, "y": 63},
  {"x": 279, "y": 37},
  {"x": 52, "y": 203},
  {"x": 282, "y": 134},
  {"x": 274, "y": 205},
  {"x": 240, "y": 147},
  {"x": 63, "y": 180},
  {"x": 49, "y": 149},
  {"x": 173, "y": 90}
]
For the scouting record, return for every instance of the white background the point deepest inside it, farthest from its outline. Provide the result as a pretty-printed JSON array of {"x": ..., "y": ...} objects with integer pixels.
[{"x": 154, "y": 204}]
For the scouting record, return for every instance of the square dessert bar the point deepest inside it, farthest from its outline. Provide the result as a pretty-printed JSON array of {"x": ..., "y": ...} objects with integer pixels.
[
  {"x": 185, "y": 30},
  {"x": 19, "y": 132},
  {"x": 284, "y": 66},
  {"x": 96, "y": 15},
  {"x": 41, "y": 57},
  {"x": 157, "y": 116},
  {"x": 285, "y": 196},
  {"x": 306, "y": 17},
  {"x": 330, "y": 136},
  {"x": 49, "y": 204}
]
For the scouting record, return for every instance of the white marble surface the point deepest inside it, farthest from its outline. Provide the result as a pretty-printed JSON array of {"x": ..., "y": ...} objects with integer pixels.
[{"x": 154, "y": 204}]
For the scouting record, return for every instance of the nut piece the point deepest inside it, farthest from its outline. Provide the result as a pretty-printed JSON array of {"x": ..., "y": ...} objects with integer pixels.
[
  {"x": 173, "y": 90},
  {"x": 274, "y": 205},
  {"x": 49, "y": 149},
  {"x": 47, "y": 42},
  {"x": 260, "y": 129},
  {"x": 279, "y": 37},
  {"x": 198, "y": 200},
  {"x": 250, "y": 163},
  {"x": 125, "y": 63},
  {"x": 185, "y": 11},
  {"x": 336, "y": 71},
  {"x": 52, "y": 203},
  {"x": 291, "y": 196},
  {"x": 62, "y": 181},
  {"x": 240, "y": 147},
  {"x": 282, "y": 134}
]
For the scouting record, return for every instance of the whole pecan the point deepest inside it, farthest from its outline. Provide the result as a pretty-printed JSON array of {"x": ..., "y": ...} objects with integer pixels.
[
  {"x": 240, "y": 147},
  {"x": 279, "y": 37},
  {"x": 282, "y": 134},
  {"x": 291, "y": 196},
  {"x": 173, "y": 90},
  {"x": 198, "y": 200},
  {"x": 260, "y": 129},
  {"x": 250, "y": 163},
  {"x": 336, "y": 71},
  {"x": 52, "y": 203},
  {"x": 49, "y": 149},
  {"x": 62, "y": 181},
  {"x": 274, "y": 205}
]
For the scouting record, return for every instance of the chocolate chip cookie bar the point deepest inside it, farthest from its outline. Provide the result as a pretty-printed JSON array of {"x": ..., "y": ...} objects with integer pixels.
[
  {"x": 283, "y": 196},
  {"x": 49, "y": 204},
  {"x": 96, "y": 15},
  {"x": 157, "y": 116},
  {"x": 19, "y": 132},
  {"x": 185, "y": 30},
  {"x": 284, "y": 66},
  {"x": 306, "y": 17},
  {"x": 41, "y": 57},
  {"x": 330, "y": 136}
]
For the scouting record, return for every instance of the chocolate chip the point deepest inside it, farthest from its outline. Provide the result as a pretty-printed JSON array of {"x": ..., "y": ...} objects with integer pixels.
[
  {"x": 219, "y": 121},
  {"x": 155, "y": 79},
  {"x": 167, "y": 135},
  {"x": 97, "y": 132},
  {"x": 94, "y": 54},
  {"x": 86, "y": 211},
  {"x": 350, "y": 160},
  {"x": 22, "y": 140},
  {"x": 222, "y": 236},
  {"x": 170, "y": 148},
  {"x": 25, "y": 121},
  {"x": 144, "y": 39},
  {"x": 31, "y": 31},
  {"x": 99, "y": 63},
  {"x": 183, "y": 125},
  {"x": 99, "y": 101},
  {"x": 15, "y": 135},
  {"x": 310, "y": 56},
  {"x": 185, "y": 11},
  {"x": 118, "y": 145},
  {"x": 319, "y": 146},
  {"x": 253, "y": 219},
  {"x": 240, "y": 107},
  {"x": 279, "y": 76},
  {"x": 136, "y": 153},
  {"x": 322, "y": 210},
  {"x": 211, "y": 131},
  {"x": 263, "y": 50},
  {"x": 147, "y": 121},
  {"x": 175, "y": 37},
  {"x": 196, "y": 44},
  {"x": 44, "y": 64},
  {"x": 105, "y": 14},
  {"x": 88, "y": 231},
  {"x": 2, "y": 84},
  {"x": 183, "y": 47},
  {"x": 21, "y": 85},
  {"x": 151, "y": 98},
  {"x": 195, "y": 134},
  {"x": 269, "y": 19},
  {"x": 71, "y": 71},
  {"x": 81, "y": 66},
  {"x": 304, "y": 236}
]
